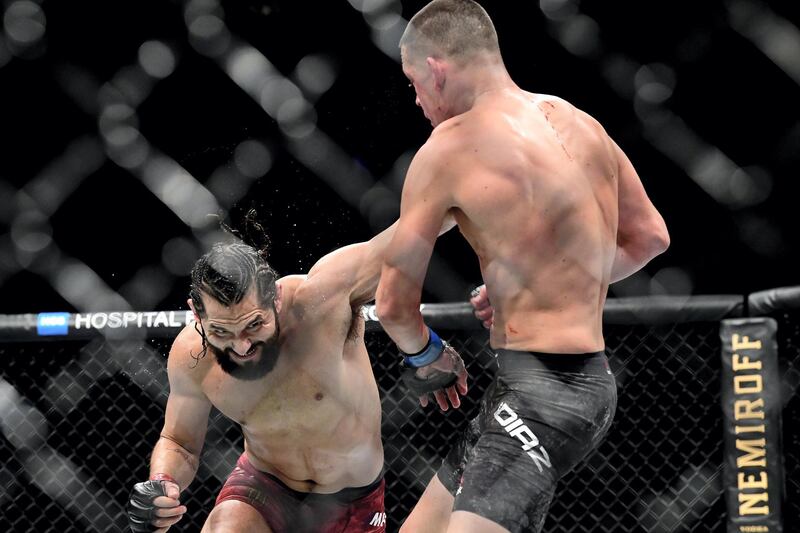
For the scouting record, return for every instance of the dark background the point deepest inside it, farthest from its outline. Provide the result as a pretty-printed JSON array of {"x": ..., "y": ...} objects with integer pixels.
[
  {"x": 104, "y": 240},
  {"x": 93, "y": 216}
]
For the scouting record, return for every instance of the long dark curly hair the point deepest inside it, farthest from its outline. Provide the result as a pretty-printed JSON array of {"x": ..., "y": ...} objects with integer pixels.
[{"x": 228, "y": 271}]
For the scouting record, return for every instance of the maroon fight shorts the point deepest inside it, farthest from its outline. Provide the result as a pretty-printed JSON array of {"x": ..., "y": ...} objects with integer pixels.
[{"x": 358, "y": 509}]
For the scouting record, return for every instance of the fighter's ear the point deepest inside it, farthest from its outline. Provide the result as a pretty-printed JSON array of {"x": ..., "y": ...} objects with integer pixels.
[
  {"x": 438, "y": 70},
  {"x": 194, "y": 311},
  {"x": 278, "y": 297}
]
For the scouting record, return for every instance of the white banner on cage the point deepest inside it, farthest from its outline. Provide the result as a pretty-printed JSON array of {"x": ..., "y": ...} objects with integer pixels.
[{"x": 147, "y": 319}]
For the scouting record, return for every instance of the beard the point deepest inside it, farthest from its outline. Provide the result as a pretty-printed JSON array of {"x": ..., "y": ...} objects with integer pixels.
[{"x": 260, "y": 366}]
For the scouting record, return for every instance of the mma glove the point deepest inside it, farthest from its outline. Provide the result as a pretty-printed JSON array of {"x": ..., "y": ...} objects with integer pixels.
[
  {"x": 141, "y": 505},
  {"x": 420, "y": 377}
]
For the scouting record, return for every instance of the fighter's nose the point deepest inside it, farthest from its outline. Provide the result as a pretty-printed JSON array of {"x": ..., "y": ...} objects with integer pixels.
[{"x": 241, "y": 347}]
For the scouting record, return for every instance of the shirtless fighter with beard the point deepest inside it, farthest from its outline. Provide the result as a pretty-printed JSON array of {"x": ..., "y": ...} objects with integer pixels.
[{"x": 288, "y": 364}]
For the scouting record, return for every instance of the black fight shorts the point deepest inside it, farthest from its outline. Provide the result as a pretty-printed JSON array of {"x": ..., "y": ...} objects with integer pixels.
[{"x": 540, "y": 417}]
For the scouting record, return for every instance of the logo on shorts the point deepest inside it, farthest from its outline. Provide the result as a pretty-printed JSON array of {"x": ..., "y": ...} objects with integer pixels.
[
  {"x": 514, "y": 426},
  {"x": 378, "y": 520}
]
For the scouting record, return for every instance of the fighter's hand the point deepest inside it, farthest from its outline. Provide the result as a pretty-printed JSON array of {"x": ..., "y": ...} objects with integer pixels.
[
  {"x": 154, "y": 506},
  {"x": 448, "y": 363},
  {"x": 483, "y": 307}
]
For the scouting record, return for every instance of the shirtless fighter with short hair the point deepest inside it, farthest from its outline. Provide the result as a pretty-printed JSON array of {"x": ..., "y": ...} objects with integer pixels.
[{"x": 555, "y": 212}]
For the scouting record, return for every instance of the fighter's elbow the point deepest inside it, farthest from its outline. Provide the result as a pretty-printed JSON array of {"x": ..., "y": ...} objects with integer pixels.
[
  {"x": 663, "y": 244},
  {"x": 395, "y": 300},
  {"x": 393, "y": 310},
  {"x": 388, "y": 310},
  {"x": 659, "y": 238},
  {"x": 649, "y": 241},
  {"x": 647, "y": 237},
  {"x": 650, "y": 245}
]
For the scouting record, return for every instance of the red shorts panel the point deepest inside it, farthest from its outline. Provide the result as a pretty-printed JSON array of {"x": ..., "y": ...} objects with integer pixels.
[{"x": 285, "y": 510}]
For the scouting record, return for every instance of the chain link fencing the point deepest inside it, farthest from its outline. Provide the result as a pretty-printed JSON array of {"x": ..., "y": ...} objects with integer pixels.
[{"x": 79, "y": 420}]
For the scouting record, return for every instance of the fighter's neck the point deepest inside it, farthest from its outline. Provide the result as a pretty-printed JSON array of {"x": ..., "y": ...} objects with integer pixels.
[{"x": 472, "y": 87}]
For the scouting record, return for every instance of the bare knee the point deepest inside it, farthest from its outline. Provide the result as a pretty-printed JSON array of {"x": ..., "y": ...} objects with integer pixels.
[
  {"x": 467, "y": 522},
  {"x": 432, "y": 512},
  {"x": 232, "y": 516}
]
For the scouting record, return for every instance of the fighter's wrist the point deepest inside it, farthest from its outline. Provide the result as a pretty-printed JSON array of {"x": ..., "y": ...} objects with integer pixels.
[
  {"x": 160, "y": 476},
  {"x": 430, "y": 353}
]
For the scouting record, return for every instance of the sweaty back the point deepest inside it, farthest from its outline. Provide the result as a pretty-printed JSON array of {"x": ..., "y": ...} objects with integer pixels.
[{"x": 537, "y": 200}]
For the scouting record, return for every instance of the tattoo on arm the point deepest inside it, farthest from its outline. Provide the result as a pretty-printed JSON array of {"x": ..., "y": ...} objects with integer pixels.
[{"x": 190, "y": 460}]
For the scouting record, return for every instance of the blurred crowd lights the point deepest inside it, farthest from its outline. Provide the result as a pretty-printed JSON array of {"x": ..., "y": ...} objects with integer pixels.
[
  {"x": 157, "y": 59},
  {"x": 775, "y": 36},
  {"x": 208, "y": 33},
  {"x": 24, "y": 27},
  {"x": 649, "y": 87},
  {"x": 290, "y": 99},
  {"x": 673, "y": 281},
  {"x": 558, "y": 10}
]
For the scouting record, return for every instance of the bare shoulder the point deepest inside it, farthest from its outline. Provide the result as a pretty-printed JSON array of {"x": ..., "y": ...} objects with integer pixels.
[
  {"x": 291, "y": 293},
  {"x": 455, "y": 132},
  {"x": 443, "y": 140},
  {"x": 567, "y": 108},
  {"x": 433, "y": 163},
  {"x": 187, "y": 342},
  {"x": 550, "y": 101},
  {"x": 290, "y": 284},
  {"x": 451, "y": 141},
  {"x": 186, "y": 363},
  {"x": 315, "y": 294}
]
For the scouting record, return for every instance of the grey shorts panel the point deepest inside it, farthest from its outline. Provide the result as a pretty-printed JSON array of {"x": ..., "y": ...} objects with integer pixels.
[{"x": 542, "y": 415}]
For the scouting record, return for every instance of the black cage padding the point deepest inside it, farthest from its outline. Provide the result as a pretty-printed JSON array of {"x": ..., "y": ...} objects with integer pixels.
[
  {"x": 764, "y": 303},
  {"x": 455, "y": 315}
]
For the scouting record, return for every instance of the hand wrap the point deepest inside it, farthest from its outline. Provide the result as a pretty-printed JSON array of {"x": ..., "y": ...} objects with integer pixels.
[{"x": 430, "y": 353}]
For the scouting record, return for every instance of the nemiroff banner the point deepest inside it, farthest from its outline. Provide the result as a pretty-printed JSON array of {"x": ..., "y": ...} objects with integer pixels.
[{"x": 751, "y": 406}]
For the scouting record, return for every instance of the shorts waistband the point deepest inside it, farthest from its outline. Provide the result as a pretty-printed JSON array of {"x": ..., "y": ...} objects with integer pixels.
[
  {"x": 558, "y": 362},
  {"x": 346, "y": 495}
]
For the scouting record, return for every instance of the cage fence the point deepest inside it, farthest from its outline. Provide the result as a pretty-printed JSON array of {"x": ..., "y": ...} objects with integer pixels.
[{"x": 79, "y": 418}]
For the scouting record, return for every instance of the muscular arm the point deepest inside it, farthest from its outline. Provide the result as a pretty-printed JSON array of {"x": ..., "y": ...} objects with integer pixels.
[
  {"x": 357, "y": 268},
  {"x": 177, "y": 452},
  {"x": 354, "y": 269},
  {"x": 641, "y": 233},
  {"x": 424, "y": 206}
]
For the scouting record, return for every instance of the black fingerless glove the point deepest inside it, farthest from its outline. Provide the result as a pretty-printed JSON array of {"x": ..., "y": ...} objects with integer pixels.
[
  {"x": 429, "y": 354},
  {"x": 421, "y": 386},
  {"x": 141, "y": 509}
]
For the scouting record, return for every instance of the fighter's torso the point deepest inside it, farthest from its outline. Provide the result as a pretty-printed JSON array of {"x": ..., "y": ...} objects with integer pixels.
[
  {"x": 538, "y": 203},
  {"x": 314, "y": 420}
]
